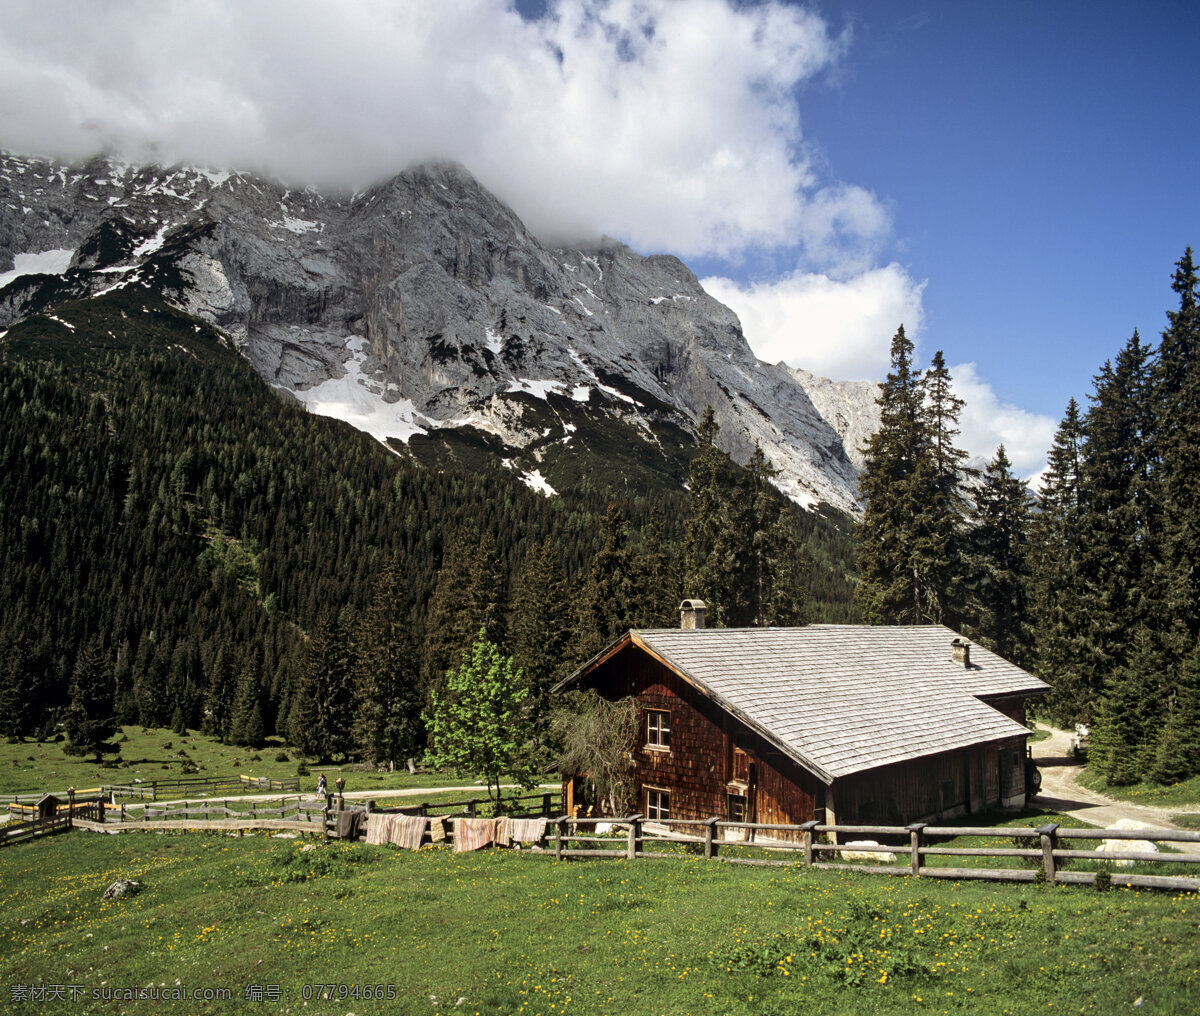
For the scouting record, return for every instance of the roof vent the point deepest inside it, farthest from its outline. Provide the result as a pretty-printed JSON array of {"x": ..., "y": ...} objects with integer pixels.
[
  {"x": 960, "y": 652},
  {"x": 691, "y": 614}
]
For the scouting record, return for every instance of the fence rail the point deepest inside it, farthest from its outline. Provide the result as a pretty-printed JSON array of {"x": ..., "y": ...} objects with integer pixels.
[
  {"x": 1046, "y": 856},
  {"x": 19, "y": 832},
  {"x": 153, "y": 789}
]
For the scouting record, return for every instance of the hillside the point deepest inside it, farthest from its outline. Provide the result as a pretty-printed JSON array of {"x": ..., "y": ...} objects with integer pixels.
[{"x": 156, "y": 497}]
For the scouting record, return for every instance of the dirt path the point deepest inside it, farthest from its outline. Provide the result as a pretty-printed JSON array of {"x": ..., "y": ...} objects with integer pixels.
[{"x": 1061, "y": 792}]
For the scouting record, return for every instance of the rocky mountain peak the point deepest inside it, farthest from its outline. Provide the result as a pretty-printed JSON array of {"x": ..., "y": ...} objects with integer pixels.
[{"x": 424, "y": 312}]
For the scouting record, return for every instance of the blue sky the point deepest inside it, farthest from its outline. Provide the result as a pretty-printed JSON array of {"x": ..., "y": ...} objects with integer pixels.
[{"x": 1012, "y": 181}]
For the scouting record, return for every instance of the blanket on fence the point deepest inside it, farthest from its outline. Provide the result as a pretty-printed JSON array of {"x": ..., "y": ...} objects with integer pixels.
[
  {"x": 474, "y": 833},
  {"x": 408, "y": 831},
  {"x": 437, "y": 828},
  {"x": 527, "y": 830},
  {"x": 378, "y": 828},
  {"x": 399, "y": 830}
]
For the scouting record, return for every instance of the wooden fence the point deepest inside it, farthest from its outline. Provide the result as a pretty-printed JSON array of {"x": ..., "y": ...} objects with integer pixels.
[
  {"x": 19, "y": 832},
  {"x": 546, "y": 805},
  {"x": 24, "y": 804},
  {"x": 1048, "y": 853}
]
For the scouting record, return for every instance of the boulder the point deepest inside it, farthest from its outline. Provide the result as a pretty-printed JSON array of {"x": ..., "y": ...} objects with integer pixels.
[{"x": 121, "y": 888}]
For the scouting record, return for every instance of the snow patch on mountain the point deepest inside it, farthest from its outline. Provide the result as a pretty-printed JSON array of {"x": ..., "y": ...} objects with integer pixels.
[{"x": 47, "y": 262}]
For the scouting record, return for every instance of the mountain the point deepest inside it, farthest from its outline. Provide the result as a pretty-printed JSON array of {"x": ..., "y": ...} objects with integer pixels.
[{"x": 423, "y": 312}]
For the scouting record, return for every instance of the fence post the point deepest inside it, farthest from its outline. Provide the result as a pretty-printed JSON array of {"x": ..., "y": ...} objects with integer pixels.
[
  {"x": 710, "y": 843},
  {"x": 325, "y": 820},
  {"x": 635, "y": 828},
  {"x": 916, "y": 833},
  {"x": 559, "y": 825},
  {"x": 1049, "y": 835},
  {"x": 70, "y": 807},
  {"x": 471, "y": 808},
  {"x": 546, "y": 805},
  {"x": 808, "y": 828}
]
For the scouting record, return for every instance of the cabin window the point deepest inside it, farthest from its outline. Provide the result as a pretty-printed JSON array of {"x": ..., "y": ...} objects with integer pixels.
[
  {"x": 658, "y": 805},
  {"x": 658, "y": 729}
]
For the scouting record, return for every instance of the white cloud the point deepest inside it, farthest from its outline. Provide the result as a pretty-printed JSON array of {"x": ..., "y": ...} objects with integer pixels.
[
  {"x": 838, "y": 328},
  {"x": 672, "y": 125},
  {"x": 986, "y": 423}
]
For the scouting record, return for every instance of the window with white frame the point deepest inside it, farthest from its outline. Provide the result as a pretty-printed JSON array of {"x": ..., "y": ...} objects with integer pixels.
[
  {"x": 658, "y": 729},
  {"x": 658, "y": 805}
]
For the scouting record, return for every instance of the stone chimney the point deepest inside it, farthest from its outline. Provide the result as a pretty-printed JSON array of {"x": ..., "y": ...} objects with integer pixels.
[
  {"x": 691, "y": 614},
  {"x": 960, "y": 652}
]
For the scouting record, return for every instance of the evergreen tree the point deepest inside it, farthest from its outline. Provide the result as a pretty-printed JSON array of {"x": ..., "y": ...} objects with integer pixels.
[
  {"x": 320, "y": 714},
  {"x": 998, "y": 563},
  {"x": 1063, "y": 655},
  {"x": 657, "y": 589},
  {"x": 1119, "y": 509},
  {"x": 1125, "y": 734},
  {"x": 247, "y": 723},
  {"x": 1177, "y": 754},
  {"x": 541, "y": 632},
  {"x": 469, "y": 594},
  {"x": 901, "y": 538},
  {"x": 90, "y": 719},
  {"x": 479, "y": 726},
  {"x": 386, "y": 726},
  {"x": 606, "y": 607},
  {"x": 218, "y": 710},
  {"x": 939, "y": 524},
  {"x": 1177, "y": 403},
  {"x": 708, "y": 556}
]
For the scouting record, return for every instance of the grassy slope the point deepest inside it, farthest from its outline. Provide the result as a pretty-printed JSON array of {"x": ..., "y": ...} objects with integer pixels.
[
  {"x": 1185, "y": 792},
  {"x": 509, "y": 933},
  {"x": 155, "y": 755}
]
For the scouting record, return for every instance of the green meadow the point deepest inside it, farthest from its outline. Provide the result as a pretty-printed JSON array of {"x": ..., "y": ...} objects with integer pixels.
[
  {"x": 148, "y": 754},
  {"x": 517, "y": 932}
]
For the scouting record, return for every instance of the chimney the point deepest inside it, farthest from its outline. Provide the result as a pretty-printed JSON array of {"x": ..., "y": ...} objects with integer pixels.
[
  {"x": 960, "y": 652},
  {"x": 691, "y": 614}
]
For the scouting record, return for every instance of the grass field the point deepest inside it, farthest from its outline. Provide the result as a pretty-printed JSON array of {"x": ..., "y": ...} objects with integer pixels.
[
  {"x": 153, "y": 754},
  {"x": 507, "y": 932},
  {"x": 1185, "y": 792}
]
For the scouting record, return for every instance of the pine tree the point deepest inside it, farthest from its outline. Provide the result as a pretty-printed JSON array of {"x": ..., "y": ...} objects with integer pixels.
[
  {"x": 387, "y": 699},
  {"x": 706, "y": 548},
  {"x": 90, "y": 719},
  {"x": 321, "y": 711},
  {"x": 606, "y": 606},
  {"x": 218, "y": 710},
  {"x": 998, "y": 571},
  {"x": 902, "y": 536},
  {"x": 247, "y": 724},
  {"x": 938, "y": 528},
  {"x": 469, "y": 594},
  {"x": 657, "y": 589},
  {"x": 1176, "y": 397},
  {"x": 1063, "y": 654},
  {"x": 541, "y": 631},
  {"x": 1119, "y": 509}
]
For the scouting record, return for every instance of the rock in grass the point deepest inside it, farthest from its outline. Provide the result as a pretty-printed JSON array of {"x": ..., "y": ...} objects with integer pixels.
[{"x": 121, "y": 888}]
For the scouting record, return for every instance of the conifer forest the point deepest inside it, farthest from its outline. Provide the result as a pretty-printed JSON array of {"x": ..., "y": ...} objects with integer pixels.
[
  {"x": 1092, "y": 582},
  {"x": 182, "y": 547}
]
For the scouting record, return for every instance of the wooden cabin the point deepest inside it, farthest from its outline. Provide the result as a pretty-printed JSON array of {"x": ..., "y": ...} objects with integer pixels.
[{"x": 847, "y": 724}]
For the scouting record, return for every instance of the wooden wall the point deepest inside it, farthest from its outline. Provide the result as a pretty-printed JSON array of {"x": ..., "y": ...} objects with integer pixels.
[
  {"x": 701, "y": 763},
  {"x": 939, "y": 787}
]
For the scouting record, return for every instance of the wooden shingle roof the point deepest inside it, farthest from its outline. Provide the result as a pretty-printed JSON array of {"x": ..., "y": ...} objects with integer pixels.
[{"x": 841, "y": 699}]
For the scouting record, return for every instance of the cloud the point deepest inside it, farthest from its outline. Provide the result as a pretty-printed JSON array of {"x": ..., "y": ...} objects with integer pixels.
[
  {"x": 671, "y": 125},
  {"x": 986, "y": 423},
  {"x": 838, "y": 328}
]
